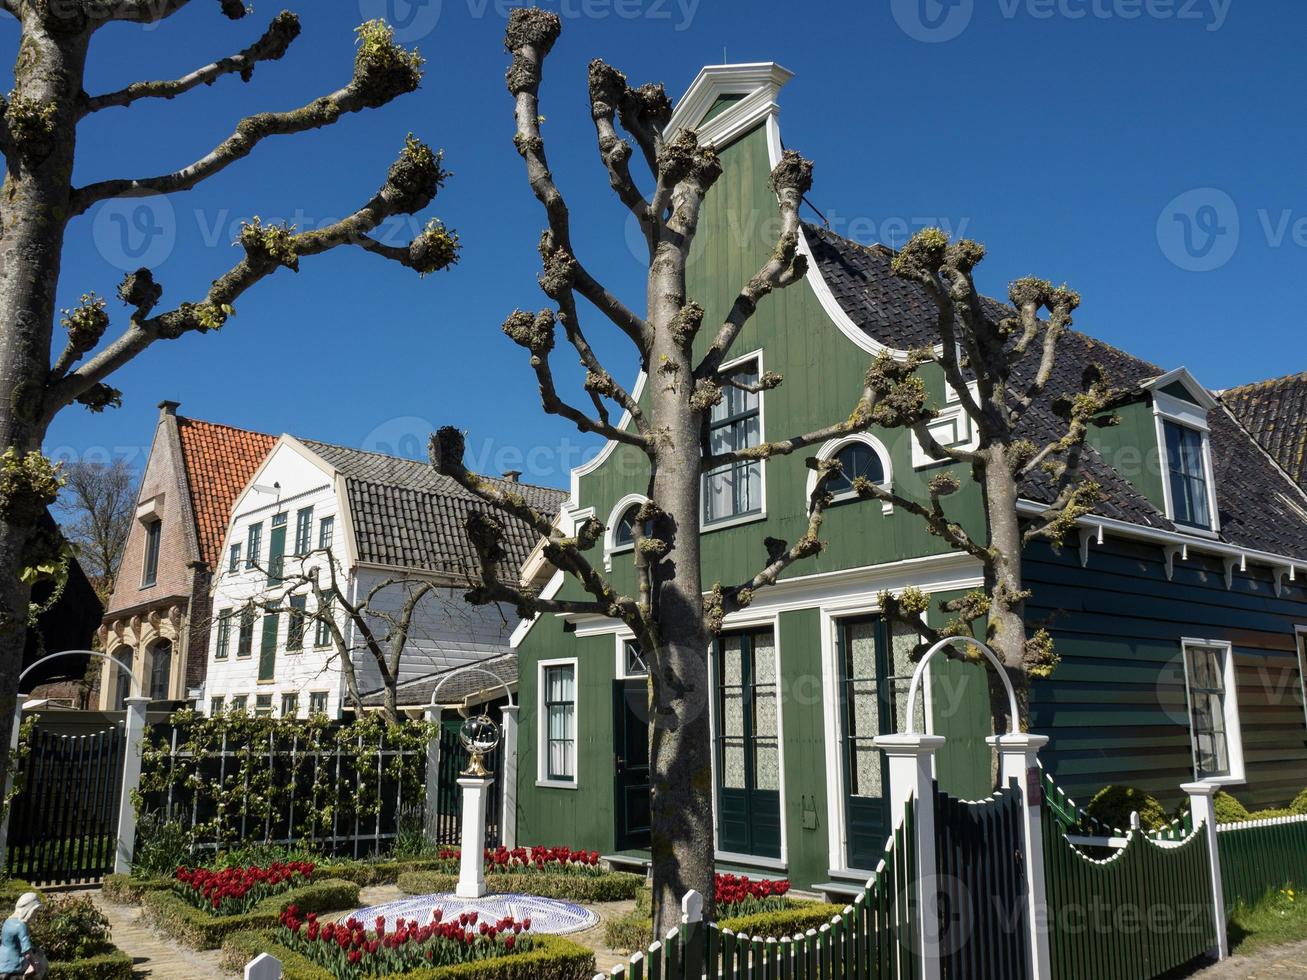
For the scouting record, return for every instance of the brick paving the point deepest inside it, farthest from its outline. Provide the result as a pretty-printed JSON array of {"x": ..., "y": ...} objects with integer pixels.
[
  {"x": 152, "y": 955},
  {"x": 1277, "y": 963}
]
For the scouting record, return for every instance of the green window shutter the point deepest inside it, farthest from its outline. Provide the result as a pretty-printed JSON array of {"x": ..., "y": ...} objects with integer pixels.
[
  {"x": 295, "y": 625},
  {"x": 268, "y": 648},
  {"x": 276, "y": 549}
]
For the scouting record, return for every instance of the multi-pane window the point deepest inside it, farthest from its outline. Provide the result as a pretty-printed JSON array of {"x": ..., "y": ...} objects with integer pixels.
[
  {"x": 321, "y": 629},
  {"x": 635, "y": 665},
  {"x": 1205, "y": 674},
  {"x": 1187, "y": 475},
  {"x": 238, "y": 703},
  {"x": 276, "y": 548},
  {"x": 263, "y": 705},
  {"x": 303, "y": 530},
  {"x": 318, "y": 703},
  {"x": 253, "y": 544},
  {"x": 245, "y": 638},
  {"x": 290, "y": 705},
  {"x": 735, "y": 423},
  {"x": 217, "y": 706},
  {"x": 160, "y": 670},
  {"x": 558, "y": 692},
  {"x": 748, "y": 747},
  {"x": 295, "y": 624},
  {"x": 859, "y": 462},
  {"x": 326, "y": 529},
  {"x": 153, "y": 536},
  {"x": 223, "y": 646},
  {"x": 234, "y": 558}
]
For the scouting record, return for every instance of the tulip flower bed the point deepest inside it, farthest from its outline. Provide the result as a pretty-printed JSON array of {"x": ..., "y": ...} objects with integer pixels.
[
  {"x": 348, "y": 950},
  {"x": 542, "y": 860},
  {"x": 234, "y": 891},
  {"x": 739, "y": 896}
]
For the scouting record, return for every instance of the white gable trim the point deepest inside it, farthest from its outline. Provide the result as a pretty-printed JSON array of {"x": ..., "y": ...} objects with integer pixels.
[{"x": 1183, "y": 375}]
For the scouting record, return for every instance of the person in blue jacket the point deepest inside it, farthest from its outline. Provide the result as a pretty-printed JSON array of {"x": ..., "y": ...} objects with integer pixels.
[{"x": 18, "y": 957}]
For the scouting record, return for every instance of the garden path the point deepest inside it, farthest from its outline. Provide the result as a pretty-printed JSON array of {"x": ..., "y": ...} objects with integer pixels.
[
  {"x": 1287, "y": 962},
  {"x": 152, "y": 955}
]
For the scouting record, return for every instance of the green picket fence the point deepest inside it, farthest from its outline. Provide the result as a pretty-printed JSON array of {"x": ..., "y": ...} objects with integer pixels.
[
  {"x": 1136, "y": 915},
  {"x": 869, "y": 940},
  {"x": 1259, "y": 856},
  {"x": 1069, "y": 815}
]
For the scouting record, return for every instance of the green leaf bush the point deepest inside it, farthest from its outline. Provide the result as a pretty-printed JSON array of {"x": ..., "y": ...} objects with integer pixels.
[
  {"x": 551, "y": 958},
  {"x": 1112, "y": 805},
  {"x": 611, "y": 886},
  {"x": 75, "y": 937},
  {"x": 173, "y": 916},
  {"x": 1299, "y": 804},
  {"x": 110, "y": 964},
  {"x": 1228, "y": 809}
]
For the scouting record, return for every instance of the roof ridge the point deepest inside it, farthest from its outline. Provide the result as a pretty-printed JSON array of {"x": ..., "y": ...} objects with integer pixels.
[
  {"x": 1265, "y": 383},
  {"x": 224, "y": 425}
]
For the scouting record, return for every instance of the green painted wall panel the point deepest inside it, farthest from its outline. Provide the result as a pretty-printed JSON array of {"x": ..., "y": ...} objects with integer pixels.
[
  {"x": 803, "y": 717},
  {"x": 1131, "y": 447}
]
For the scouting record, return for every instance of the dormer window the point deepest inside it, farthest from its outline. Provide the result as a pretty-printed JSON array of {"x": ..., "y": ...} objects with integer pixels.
[
  {"x": 1181, "y": 406},
  {"x": 1187, "y": 476}
]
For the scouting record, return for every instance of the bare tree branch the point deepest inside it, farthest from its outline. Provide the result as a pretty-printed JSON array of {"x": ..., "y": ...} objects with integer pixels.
[
  {"x": 607, "y": 89},
  {"x": 149, "y": 11},
  {"x": 283, "y": 30}
]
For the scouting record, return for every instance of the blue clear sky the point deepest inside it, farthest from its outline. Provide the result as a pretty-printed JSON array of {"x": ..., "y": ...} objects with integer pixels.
[{"x": 1062, "y": 133}]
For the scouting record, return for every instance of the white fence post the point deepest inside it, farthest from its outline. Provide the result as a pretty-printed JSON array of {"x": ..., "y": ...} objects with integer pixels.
[
  {"x": 265, "y": 966},
  {"x": 911, "y": 776},
  {"x": 508, "y": 773},
  {"x": 9, "y": 779},
  {"x": 132, "y": 737},
  {"x": 1019, "y": 760},
  {"x": 431, "y": 812},
  {"x": 1204, "y": 810}
]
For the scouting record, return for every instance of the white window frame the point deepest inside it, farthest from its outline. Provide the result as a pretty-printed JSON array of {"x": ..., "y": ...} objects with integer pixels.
[
  {"x": 831, "y": 449},
  {"x": 621, "y": 638},
  {"x": 542, "y": 726},
  {"x": 1168, "y": 408},
  {"x": 1300, "y": 652},
  {"x": 1233, "y": 732},
  {"x": 761, "y": 513},
  {"x": 611, "y": 547},
  {"x": 951, "y": 427}
]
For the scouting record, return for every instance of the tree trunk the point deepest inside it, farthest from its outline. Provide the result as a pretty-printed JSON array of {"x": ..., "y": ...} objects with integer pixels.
[
  {"x": 33, "y": 216},
  {"x": 680, "y": 749},
  {"x": 1006, "y": 587}
]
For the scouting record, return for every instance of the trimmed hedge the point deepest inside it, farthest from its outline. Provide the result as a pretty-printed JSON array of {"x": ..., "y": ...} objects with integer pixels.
[
  {"x": 111, "y": 964},
  {"x": 611, "y": 886},
  {"x": 12, "y": 889},
  {"x": 126, "y": 890},
  {"x": 364, "y": 873},
  {"x": 173, "y": 915},
  {"x": 634, "y": 931},
  {"x": 551, "y": 958}
]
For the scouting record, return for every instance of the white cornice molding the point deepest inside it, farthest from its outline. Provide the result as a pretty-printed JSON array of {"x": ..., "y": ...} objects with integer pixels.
[{"x": 758, "y": 83}]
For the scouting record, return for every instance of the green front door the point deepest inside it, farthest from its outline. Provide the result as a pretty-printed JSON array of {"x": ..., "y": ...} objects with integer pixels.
[
  {"x": 748, "y": 747},
  {"x": 268, "y": 647}
]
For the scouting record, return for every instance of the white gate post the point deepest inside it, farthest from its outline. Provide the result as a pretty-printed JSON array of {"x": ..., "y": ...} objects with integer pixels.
[
  {"x": 431, "y": 811},
  {"x": 132, "y": 737},
  {"x": 265, "y": 966},
  {"x": 472, "y": 866},
  {"x": 508, "y": 771},
  {"x": 9, "y": 779},
  {"x": 1204, "y": 811},
  {"x": 1019, "y": 760},
  {"x": 911, "y": 777}
]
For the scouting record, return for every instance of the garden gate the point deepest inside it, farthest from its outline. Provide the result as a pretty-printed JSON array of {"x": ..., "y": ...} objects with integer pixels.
[
  {"x": 980, "y": 867},
  {"x": 63, "y": 827}
]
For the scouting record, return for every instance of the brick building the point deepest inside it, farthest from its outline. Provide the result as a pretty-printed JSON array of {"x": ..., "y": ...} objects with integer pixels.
[{"x": 158, "y": 616}]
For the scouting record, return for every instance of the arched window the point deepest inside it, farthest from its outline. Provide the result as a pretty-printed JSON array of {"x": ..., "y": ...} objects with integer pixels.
[
  {"x": 858, "y": 460},
  {"x": 160, "y": 670},
  {"x": 620, "y": 533},
  {"x": 624, "y": 532},
  {"x": 122, "y": 679}
]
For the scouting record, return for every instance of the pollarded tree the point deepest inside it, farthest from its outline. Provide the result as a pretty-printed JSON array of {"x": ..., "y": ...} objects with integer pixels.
[
  {"x": 669, "y": 612},
  {"x": 40, "y": 375},
  {"x": 1002, "y": 363}
]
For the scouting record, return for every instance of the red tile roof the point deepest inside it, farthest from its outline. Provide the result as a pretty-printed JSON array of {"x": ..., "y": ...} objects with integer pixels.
[{"x": 220, "y": 460}]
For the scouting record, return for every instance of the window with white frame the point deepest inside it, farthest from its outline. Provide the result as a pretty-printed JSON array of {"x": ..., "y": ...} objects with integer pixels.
[
  {"x": 1302, "y": 663},
  {"x": 862, "y": 458},
  {"x": 1186, "y": 475},
  {"x": 317, "y": 702},
  {"x": 735, "y": 423},
  {"x": 1213, "y": 710},
  {"x": 558, "y": 716}
]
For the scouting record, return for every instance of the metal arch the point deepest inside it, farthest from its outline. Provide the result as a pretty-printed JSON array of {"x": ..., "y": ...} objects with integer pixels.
[
  {"x": 499, "y": 682},
  {"x": 989, "y": 654},
  {"x": 78, "y": 653}
]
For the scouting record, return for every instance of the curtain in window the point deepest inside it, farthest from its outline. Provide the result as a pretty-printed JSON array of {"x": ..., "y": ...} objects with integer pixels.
[
  {"x": 1206, "y": 666},
  {"x": 862, "y": 704},
  {"x": 560, "y": 709}
]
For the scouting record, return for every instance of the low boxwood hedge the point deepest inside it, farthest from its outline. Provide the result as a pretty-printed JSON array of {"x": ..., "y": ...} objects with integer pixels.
[
  {"x": 179, "y": 920},
  {"x": 634, "y": 931},
  {"x": 364, "y": 873},
  {"x": 551, "y": 958},
  {"x": 611, "y": 886},
  {"x": 109, "y": 964},
  {"x": 126, "y": 890}
]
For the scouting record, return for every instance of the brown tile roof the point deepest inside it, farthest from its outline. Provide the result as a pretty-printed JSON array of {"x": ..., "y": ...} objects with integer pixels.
[
  {"x": 219, "y": 461},
  {"x": 1275, "y": 414}
]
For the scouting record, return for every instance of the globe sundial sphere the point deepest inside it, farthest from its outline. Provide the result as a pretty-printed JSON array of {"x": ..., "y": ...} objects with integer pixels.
[{"x": 480, "y": 736}]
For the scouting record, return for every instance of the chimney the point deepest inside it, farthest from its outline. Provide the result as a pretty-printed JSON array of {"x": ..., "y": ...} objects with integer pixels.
[
  {"x": 513, "y": 476},
  {"x": 168, "y": 408}
]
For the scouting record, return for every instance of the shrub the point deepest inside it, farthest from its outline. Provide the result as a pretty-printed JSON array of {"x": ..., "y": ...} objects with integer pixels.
[
  {"x": 261, "y": 854},
  {"x": 232, "y": 891},
  {"x": 126, "y": 890},
  {"x": 110, "y": 964},
  {"x": 1228, "y": 809},
  {"x": 606, "y": 886},
  {"x": 1299, "y": 804},
  {"x": 12, "y": 889},
  {"x": 176, "y": 918},
  {"x": 738, "y": 895},
  {"x": 161, "y": 847},
  {"x": 551, "y": 958},
  {"x": 1112, "y": 805},
  {"x": 70, "y": 928}
]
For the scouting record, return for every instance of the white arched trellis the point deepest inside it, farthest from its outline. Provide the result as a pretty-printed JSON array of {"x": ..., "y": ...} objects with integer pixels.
[
  {"x": 499, "y": 682},
  {"x": 78, "y": 653},
  {"x": 915, "y": 689}
]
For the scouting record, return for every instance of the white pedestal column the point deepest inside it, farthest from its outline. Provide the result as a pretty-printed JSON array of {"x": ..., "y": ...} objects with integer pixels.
[
  {"x": 1019, "y": 760},
  {"x": 911, "y": 776},
  {"x": 1201, "y": 799},
  {"x": 472, "y": 870},
  {"x": 133, "y": 734},
  {"x": 508, "y": 813}
]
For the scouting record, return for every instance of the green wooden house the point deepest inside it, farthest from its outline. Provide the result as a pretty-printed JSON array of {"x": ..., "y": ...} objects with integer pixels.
[{"x": 1179, "y": 613}]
